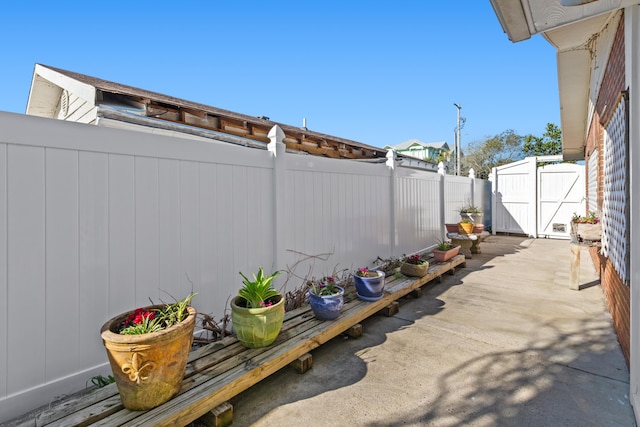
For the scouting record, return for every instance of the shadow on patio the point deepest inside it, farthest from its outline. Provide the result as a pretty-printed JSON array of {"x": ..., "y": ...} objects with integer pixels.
[{"x": 502, "y": 342}]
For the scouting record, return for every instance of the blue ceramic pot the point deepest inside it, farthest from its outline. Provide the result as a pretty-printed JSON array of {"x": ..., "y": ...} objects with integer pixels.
[
  {"x": 370, "y": 288},
  {"x": 327, "y": 307}
]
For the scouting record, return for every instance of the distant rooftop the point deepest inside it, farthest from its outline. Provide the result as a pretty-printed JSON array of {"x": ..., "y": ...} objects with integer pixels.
[{"x": 411, "y": 142}]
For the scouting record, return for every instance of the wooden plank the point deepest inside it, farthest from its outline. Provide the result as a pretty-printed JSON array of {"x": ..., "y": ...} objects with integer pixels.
[
  {"x": 98, "y": 412},
  {"x": 67, "y": 408}
]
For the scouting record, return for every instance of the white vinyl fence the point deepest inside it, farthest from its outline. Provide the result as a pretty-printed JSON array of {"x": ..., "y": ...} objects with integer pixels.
[{"x": 96, "y": 221}]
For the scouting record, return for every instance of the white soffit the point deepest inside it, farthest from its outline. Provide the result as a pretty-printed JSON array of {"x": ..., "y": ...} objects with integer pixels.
[
  {"x": 521, "y": 19},
  {"x": 550, "y": 14},
  {"x": 574, "y": 79},
  {"x": 575, "y": 35},
  {"x": 574, "y": 73}
]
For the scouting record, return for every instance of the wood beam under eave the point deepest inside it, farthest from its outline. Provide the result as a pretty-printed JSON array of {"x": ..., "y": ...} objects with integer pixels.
[{"x": 194, "y": 112}]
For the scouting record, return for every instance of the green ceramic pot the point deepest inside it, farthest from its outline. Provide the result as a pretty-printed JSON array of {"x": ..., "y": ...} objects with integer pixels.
[{"x": 257, "y": 327}]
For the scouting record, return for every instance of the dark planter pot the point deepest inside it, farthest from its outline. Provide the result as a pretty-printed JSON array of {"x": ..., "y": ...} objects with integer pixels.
[
  {"x": 327, "y": 307},
  {"x": 370, "y": 288},
  {"x": 452, "y": 228}
]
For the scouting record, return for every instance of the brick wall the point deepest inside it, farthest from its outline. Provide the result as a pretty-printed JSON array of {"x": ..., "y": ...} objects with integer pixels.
[
  {"x": 616, "y": 292},
  {"x": 614, "y": 81},
  {"x": 618, "y": 298}
]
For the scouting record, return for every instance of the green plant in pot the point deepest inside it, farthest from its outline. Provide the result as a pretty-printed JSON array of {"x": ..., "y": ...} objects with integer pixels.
[
  {"x": 369, "y": 284},
  {"x": 445, "y": 250},
  {"x": 148, "y": 349},
  {"x": 465, "y": 226},
  {"x": 326, "y": 298},
  {"x": 472, "y": 213},
  {"x": 587, "y": 227},
  {"x": 257, "y": 312}
]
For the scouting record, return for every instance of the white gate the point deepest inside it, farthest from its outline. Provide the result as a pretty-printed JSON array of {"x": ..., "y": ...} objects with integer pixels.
[
  {"x": 514, "y": 198},
  {"x": 537, "y": 202},
  {"x": 561, "y": 191}
]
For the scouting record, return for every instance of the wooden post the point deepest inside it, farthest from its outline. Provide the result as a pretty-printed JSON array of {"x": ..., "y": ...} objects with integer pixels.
[
  {"x": 303, "y": 363},
  {"x": 416, "y": 293},
  {"x": 574, "y": 277},
  {"x": 354, "y": 331},
  {"x": 220, "y": 416},
  {"x": 391, "y": 309}
]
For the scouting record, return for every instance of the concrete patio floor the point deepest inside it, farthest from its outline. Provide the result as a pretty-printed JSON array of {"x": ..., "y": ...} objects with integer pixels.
[{"x": 503, "y": 342}]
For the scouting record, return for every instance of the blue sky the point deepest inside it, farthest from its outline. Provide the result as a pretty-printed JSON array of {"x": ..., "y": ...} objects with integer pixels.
[{"x": 375, "y": 72}]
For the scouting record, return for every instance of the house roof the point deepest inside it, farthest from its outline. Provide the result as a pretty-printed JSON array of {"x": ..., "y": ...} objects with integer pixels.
[
  {"x": 411, "y": 142},
  {"x": 571, "y": 30},
  {"x": 49, "y": 82}
]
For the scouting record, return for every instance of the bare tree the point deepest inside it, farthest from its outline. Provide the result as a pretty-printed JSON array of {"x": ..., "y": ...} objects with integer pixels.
[{"x": 498, "y": 150}]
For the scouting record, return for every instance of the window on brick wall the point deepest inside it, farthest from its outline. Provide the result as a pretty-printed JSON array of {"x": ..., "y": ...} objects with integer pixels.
[{"x": 614, "y": 218}]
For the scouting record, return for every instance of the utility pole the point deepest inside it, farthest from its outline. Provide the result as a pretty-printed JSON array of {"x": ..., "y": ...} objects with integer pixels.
[{"x": 458, "y": 141}]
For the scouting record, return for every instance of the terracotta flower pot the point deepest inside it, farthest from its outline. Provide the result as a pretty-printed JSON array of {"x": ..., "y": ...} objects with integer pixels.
[
  {"x": 148, "y": 368},
  {"x": 441, "y": 256},
  {"x": 451, "y": 228},
  {"x": 478, "y": 228},
  {"x": 257, "y": 327},
  {"x": 415, "y": 270}
]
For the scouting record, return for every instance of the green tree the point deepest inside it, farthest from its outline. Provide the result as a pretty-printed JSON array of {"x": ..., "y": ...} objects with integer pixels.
[
  {"x": 498, "y": 150},
  {"x": 444, "y": 156},
  {"x": 549, "y": 143}
]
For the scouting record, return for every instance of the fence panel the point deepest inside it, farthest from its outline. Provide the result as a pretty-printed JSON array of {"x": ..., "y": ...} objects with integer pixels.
[
  {"x": 95, "y": 221},
  {"x": 418, "y": 206},
  {"x": 482, "y": 199},
  {"x": 458, "y": 192},
  {"x": 337, "y": 209}
]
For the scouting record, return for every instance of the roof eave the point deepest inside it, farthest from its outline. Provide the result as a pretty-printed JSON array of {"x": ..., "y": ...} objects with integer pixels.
[
  {"x": 46, "y": 87},
  {"x": 568, "y": 29},
  {"x": 513, "y": 19}
]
